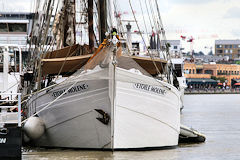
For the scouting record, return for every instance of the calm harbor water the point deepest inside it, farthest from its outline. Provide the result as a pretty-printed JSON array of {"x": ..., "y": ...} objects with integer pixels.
[{"x": 216, "y": 116}]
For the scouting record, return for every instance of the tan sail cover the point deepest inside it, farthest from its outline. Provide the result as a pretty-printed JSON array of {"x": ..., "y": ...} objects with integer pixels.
[
  {"x": 69, "y": 64},
  {"x": 65, "y": 60},
  {"x": 148, "y": 64},
  {"x": 64, "y": 52}
]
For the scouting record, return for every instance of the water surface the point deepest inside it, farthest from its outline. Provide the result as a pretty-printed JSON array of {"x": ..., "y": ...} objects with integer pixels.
[{"x": 216, "y": 116}]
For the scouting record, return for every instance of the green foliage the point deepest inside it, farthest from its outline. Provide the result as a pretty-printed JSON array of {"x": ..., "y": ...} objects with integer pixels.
[
  {"x": 237, "y": 62},
  {"x": 221, "y": 79},
  {"x": 213, "y": 77}
]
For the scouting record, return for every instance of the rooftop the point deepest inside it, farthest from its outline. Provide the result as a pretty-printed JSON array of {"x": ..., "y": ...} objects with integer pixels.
[
  {"x": 15, "y": 15},
  {"x": 173, "y": 42},
  {"x": 237, "y": 41}
]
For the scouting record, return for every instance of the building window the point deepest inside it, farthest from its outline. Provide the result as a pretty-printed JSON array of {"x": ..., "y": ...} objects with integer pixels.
[
  {"x": 235, "y": 46},
  {"x": 232, "y": 72},
  {"x": 174, "y": 47},
  {"x": 219, "y": 51},
  {"x": 230, "y": 46},
  {"x": 239, "y": 46},
  {"x": 219, "y": 46},
  {"x": 230, "y": 50},
  {"x": 193, "y": 71},
  {"x": 237, "y": 72},
  {"x": 225, "y": 46},
  {"x": 225, "y": 51},
  {"x": 14, "y": 27},
  {"x": 209, "y": 72},
  {"x": 189, "y": 71},
  {"x": 3, "y": 27}
]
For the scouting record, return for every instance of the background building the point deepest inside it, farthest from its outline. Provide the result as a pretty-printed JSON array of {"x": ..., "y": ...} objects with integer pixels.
[
  {"x": 230, "y": 48},
  {"x": 228, "y": 71},
  {"x": 175, "y": 48},
  {"x": 15, "y": 27}
]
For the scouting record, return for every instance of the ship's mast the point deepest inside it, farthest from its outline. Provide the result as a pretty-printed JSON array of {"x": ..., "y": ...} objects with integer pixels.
[
  {"x": 69, "y": 24},
  {"x": 90, "y": 26},
  {"x": 102, "y": 12}
]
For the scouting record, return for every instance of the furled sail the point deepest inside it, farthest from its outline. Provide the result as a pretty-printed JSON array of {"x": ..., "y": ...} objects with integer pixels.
[
  {"x": 72, "y": 58},
  {"x": 68, "y": 59}
]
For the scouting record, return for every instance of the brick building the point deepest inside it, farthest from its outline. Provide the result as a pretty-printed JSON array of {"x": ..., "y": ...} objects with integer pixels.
[{"x": 229, "y": 71}]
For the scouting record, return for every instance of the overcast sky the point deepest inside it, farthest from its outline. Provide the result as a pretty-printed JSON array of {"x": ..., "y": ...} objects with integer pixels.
[{"x": 204, "y": 20}]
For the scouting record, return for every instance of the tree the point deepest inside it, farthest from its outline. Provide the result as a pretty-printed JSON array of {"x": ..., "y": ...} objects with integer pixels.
[
  {"x": 210, "y": 53},
  {"x": 201, "y": 53},
  {"x": 213, "y": 77},
  {"x": 221, "y": 79},
  {"x": 237, "y": 62}
]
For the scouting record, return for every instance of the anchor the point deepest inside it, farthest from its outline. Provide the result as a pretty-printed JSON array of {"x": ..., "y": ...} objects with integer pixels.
[{"x": 105, "y": 117}]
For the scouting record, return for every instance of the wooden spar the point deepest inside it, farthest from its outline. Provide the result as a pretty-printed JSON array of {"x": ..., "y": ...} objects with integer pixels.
[
  {"x": 90, "y": 26},
  {"x": 102, "y": 12}
]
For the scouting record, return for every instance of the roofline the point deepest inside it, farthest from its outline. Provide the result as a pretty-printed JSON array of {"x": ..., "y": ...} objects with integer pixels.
[{"x": 16, "y": 13}]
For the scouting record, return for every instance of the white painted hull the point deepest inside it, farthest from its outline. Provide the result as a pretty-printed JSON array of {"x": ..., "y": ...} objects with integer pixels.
[
  {"x": 138, "y": 118},
  {"x": 142, "y": 118}
]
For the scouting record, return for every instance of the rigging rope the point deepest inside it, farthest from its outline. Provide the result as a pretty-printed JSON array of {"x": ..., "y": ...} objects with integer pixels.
[
  {"x": 143, "y": 38},
  {"x": 165, "y": 38},
  {"x": 148, "y": 14},
  {"x": 147, "y": 31}
]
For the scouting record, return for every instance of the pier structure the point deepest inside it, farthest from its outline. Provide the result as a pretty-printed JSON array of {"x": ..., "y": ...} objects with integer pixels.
[{"x": 10, "y": 126}]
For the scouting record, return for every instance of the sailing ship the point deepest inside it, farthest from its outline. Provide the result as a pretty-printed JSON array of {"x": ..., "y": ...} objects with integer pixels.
[{"x": 109, "y": 99}]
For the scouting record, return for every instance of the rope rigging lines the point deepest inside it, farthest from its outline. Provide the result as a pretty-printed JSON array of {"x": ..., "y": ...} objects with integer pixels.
[{"x": 151, "y": 56}]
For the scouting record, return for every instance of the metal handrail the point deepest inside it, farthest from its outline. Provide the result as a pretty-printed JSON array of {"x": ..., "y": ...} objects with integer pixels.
[
  {"x": 11, "y": 113},
  {"x": 10, "y": 93}
]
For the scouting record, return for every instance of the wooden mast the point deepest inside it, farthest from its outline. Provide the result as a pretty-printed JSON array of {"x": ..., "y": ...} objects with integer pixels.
[
  {"x": 74, "y": 20},
  {"x": 69, "y": 23},
  {"x": 65, "y": 24},
  {"x": 90, "y": 26},
  {"x": 102, "y": 12}
]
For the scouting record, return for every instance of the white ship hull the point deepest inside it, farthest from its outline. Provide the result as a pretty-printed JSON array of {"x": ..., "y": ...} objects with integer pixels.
[{"x": 143, "y": 112}]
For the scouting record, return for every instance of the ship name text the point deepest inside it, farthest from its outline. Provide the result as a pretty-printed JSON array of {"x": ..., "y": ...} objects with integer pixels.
[
  {"x": 78, "y": 88},
  {"x": 150, "y": 88}
]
